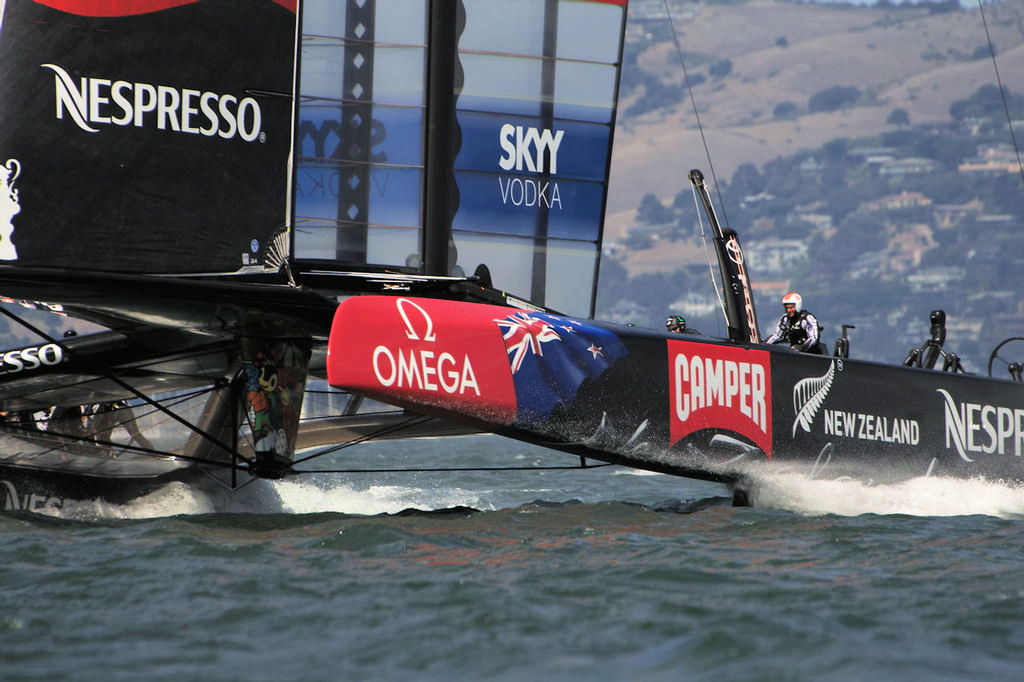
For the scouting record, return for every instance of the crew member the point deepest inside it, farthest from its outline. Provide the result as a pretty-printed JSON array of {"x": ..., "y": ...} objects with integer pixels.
[
  {"x": 677, "y": 323},
  {"x": 797, "y": 327}
]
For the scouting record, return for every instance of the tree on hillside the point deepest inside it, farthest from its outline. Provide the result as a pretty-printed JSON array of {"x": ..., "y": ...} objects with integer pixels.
[
  {"x": 833, "y": 98},
  {"x": 746, "y": 181},
  {"x": 986, "y": 102},
  {"x": 898, "y": 117},
  {"x": 784, "y": 110},
  {"x": 652, "y": 211}
]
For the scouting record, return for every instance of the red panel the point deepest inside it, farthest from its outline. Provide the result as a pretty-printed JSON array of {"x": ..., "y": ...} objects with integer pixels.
[
  {"x": 124, "y": 8},
  {"x": 722, "y": 388},
  {"x": 446, "y": 356},
  {"x": 112, "y": 8}
]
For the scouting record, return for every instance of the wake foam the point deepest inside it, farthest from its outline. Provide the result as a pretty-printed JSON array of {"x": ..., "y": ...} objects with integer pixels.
[
  {"x": 306, "y": 497},
  {"x": 171, "y": 500},
  {"x": 272, "y": 497},
  {"x": 924, "y": 496}
]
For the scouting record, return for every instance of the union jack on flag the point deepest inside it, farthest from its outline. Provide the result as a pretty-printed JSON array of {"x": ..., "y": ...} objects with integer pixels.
[
  {"x": 523, "y": 334},
  {"x": 551, "y": 356}
]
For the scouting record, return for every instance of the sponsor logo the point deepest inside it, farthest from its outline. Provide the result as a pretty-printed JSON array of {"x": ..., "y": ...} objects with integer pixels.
[
  {"x": 423, "y": 369},
  {"x": 872, "y": 427},
  {"x": 33, "y": 357},
  {"x": 103, "y": 101},
  {"x": 9, "y": 207},
  {"x": 13, "y": 501},
  {"x": 720, "y": 388},
  {"x": 533, "y": 151},
  {"x": 808, "y": 396},
  {"x": 732, "y": 247},
  {"x": 442, "y": 355},
  {"x": 972, "y": 428}
]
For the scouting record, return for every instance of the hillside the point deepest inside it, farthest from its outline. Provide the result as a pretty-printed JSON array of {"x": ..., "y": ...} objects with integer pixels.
[{"x": 780, "y": 53}]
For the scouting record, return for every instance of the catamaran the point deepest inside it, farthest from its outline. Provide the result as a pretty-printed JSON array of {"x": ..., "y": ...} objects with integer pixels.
[
  {"x": 204, "y": 180},
  {"x": 294, "y": 225}
]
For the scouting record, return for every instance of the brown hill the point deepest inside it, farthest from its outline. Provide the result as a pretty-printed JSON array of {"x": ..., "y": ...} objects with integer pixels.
[{"x": 898, "y": 58}]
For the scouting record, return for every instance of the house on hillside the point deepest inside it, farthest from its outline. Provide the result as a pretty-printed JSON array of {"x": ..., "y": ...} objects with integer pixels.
[
  {"x": 915, "y": 165},
  {"x": 896, "y": 201},
  {"x": 950, "y": 215},
  {"x": 775, "y": 255},
  {"x": 992, "y": 160},
  {"x": 937, "y": 278}
]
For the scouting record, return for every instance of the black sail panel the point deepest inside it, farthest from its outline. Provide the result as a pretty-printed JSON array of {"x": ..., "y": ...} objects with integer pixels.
[{"x": 145, "y": 136}]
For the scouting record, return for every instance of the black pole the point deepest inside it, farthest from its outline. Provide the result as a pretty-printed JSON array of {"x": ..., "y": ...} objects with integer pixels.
[
  {"x": 739, "y": 299},
  {"x": 439, "y": 182}
]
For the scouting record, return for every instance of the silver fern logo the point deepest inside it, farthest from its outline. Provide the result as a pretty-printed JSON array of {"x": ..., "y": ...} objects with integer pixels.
[
  {"x": 9, "y": 207},
  {"x": 808, "y": 396}
]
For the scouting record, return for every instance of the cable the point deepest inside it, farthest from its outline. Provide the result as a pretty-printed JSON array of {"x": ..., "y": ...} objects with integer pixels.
[
  {"x": 1002, "y": 92},
  {"x": 696, "y": 114}
]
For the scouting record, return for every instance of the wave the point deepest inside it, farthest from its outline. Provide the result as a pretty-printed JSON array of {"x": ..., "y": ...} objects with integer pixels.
[{"x": 923, "y": 496}]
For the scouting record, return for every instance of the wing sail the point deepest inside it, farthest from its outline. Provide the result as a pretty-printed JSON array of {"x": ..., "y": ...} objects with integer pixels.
[
  {"x": 149, "y": 136},
  {"x": 484, "y": 141}
]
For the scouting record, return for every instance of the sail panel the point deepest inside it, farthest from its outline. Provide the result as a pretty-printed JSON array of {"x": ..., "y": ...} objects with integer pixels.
[
  {"x": 569, "y": 266},
  {"x": 359, "y": 176},
  {"x": 583, "y": 90},
  {"x": 508, "y": 205},
  {"x": 536, "y": 113},
  {"x": 146, "y": 137},
  {"x": 587, "y": 29}
]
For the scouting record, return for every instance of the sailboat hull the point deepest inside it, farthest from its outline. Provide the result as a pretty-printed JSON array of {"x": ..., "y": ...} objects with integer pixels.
[{"x": 682, "y": 404}]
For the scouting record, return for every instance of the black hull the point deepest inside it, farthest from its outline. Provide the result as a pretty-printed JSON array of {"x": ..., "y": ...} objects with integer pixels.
[
  {"x": 47, "y": 491},
  {"x": 679, "y": 404}
]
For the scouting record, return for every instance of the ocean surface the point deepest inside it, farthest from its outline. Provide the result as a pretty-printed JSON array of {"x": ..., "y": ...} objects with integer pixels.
[{"x": 598, "y": 574}]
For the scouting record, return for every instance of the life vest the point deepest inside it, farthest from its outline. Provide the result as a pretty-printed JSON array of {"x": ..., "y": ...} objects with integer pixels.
[{"x": 792, "y": 330}]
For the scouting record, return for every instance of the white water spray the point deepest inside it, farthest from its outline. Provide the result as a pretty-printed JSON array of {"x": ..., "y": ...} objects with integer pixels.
[{"x": 923, "y": 496}]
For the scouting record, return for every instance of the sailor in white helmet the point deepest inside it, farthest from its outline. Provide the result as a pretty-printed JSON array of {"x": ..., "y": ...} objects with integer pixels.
[{"x": 797, "y": 327}]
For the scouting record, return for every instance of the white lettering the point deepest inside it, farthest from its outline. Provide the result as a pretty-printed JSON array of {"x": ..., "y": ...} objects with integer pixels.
[
  {"x": 871, "y": 427},
  {"x": 714, "y": 382},
  {"x": 529, "y": 149},
  {"x": 420, "y": 370},
  {"x": 1003, "y": 428},
  {"x": 99, "y": 101},
  {"x": 31, "y": 358},
  {"x": 382, "y": 351}
]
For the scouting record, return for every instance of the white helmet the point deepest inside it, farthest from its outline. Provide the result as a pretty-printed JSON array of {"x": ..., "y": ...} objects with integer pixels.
[{"x": 795, "y": 299}]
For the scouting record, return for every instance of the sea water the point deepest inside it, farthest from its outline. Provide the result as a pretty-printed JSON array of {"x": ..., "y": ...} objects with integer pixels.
[{"x": 598, "y": 574}]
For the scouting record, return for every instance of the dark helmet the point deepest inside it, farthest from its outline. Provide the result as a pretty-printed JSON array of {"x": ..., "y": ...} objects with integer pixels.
[{"x": 674, "y": 321}]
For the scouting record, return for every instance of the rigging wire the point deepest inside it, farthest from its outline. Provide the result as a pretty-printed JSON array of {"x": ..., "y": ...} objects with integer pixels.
[
  {"x": 1002, "y": 92},
  {"x": 711, "y": 166},
  {"x": 696, "y": 114},
  {"x": 431, "y": 470},
  {"x": 707, "y": 254}
]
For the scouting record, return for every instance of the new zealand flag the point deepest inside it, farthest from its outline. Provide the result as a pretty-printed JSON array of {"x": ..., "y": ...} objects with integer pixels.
[{"x": 551, "y": 356}]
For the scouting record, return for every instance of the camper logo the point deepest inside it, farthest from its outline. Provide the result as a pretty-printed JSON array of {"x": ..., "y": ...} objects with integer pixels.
[
  {"x": 718, "y": 387},
  {"x": 9, "y": 207}
]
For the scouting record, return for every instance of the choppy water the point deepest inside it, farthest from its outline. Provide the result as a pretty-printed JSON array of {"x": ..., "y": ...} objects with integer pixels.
[{"x": 603, "y": 574}]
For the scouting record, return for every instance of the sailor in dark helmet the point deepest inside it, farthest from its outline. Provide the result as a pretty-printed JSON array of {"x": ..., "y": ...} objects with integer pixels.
[
  {"x": 797, "y": 327},
  {"x": 677, "y": 323}
]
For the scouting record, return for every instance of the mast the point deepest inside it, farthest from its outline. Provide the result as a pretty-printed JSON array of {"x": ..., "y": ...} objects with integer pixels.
[
  {"x": 439, "y": 182},
  {"x": 739, "y": 300},
  {"x": 538, "y": 285}
]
